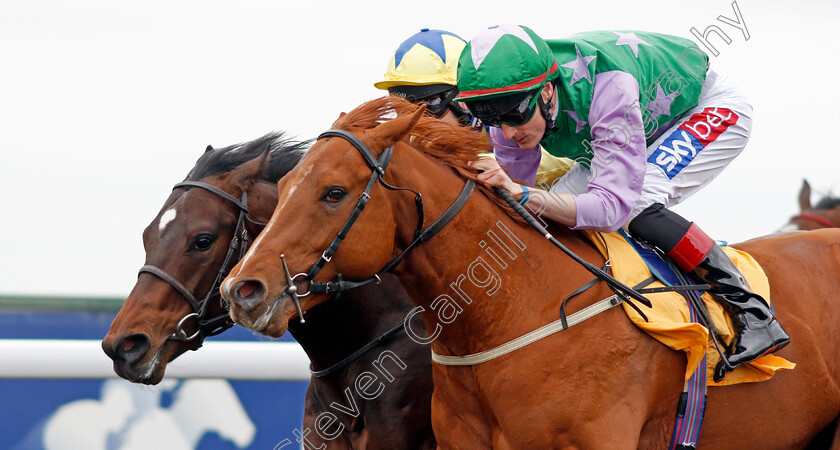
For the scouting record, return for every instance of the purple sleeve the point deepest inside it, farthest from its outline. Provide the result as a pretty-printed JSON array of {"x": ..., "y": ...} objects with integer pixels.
[
  {"x": 619, "y": 153},
  {"x": 521, "y": 165}
]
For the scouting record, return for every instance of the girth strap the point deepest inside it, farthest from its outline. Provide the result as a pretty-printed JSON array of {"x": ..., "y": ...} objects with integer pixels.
[{"x": 564, "y": 322}]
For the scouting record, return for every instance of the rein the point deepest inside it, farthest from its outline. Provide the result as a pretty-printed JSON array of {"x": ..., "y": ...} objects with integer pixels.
[
  {"x": 350, "y": 358},
  {"x": 421, "y": 235},
  {"x": 816, "y": 218},
  {"x": 213, "y": 325},
  {"x": 614, "y": 284},
  {"x": 622, "y": 294}
]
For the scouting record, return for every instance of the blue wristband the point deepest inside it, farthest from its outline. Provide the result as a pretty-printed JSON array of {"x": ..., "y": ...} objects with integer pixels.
[{"x": 525, "y": 194}]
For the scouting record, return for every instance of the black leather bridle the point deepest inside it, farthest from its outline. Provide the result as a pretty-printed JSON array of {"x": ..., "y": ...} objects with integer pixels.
[
  {"x": 378, "y": 167},
  {"x": 208, "y": 326}
]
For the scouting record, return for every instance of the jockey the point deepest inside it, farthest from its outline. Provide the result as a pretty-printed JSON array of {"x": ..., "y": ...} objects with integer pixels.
[
  {"x": 423, "y": 69},
  {"x": 649, "y": 125}
]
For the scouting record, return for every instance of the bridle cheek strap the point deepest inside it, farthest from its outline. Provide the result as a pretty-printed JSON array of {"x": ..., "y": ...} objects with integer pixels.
[
  {"x": 213, "y": 325},
  {"x": 378, "y": 167},
  {"x": 326, "y": 256}
]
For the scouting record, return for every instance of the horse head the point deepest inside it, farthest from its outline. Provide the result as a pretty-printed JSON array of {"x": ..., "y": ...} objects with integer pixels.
[
  {"x": 825, "y": 214},
  {"x": 192, "y": 242},
  {"x": 356, "y": 215}
]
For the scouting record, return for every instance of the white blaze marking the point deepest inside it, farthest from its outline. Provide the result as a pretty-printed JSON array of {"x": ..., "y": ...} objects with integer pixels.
[
  {"x": 295, "y": 186},
  {"x": 267, "y": 229},
  {"x": 167, "y": 217}
]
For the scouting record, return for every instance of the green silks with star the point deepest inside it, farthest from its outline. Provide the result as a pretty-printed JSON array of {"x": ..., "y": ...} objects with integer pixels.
[{"x": 670, "y": 72}]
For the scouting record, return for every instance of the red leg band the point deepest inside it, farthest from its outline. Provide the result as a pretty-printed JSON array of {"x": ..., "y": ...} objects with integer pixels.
[{"x": 691, "y": 249}]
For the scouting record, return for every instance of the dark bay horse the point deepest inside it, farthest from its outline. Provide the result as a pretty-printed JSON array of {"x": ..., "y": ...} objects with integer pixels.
[
  {"x": 825, "y": 214},
  {"x": 485, "y": 279},
  {"x": 188, "y": 241}
]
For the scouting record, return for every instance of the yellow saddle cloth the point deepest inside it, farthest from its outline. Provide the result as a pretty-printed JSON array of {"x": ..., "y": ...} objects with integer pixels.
[{"x": 669, "y": 321}]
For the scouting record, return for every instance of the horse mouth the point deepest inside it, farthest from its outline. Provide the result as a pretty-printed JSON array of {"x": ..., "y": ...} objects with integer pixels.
[
  {"x": 267, "y": 323},
  {"x": 149, "y": 373},
  {"x": 262, "y": 322}
]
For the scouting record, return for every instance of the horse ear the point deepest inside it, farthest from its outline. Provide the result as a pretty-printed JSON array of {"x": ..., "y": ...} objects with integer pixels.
[
  {"x": 805, "y": 196},
  {"x": 245, "y": 175},
  {"x": 208, "y": 149},
  {"x": 387, "y": 133},
  {"x": 340, "y": 116}
]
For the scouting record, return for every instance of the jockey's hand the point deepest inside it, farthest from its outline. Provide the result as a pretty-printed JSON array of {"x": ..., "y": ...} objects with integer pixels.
[{"x": 491, "y": 174}]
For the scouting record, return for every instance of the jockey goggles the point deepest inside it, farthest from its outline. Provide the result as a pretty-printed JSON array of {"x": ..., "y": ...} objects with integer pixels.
[
  {"x": 513, "y": 110},
  {"x": 436, "y": 103}
]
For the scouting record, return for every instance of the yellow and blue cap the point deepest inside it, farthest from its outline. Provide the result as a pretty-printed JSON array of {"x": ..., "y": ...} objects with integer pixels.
[{"x": 428, "y": 57}]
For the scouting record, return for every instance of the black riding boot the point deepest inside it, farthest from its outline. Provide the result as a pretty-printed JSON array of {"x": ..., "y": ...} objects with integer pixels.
[
  {"x": 691, "y": 249},
  {"x": 759, "y": 332}
]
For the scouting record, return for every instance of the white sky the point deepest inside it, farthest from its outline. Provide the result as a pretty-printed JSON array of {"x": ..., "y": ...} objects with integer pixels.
[{"x": 105, "y": 105}]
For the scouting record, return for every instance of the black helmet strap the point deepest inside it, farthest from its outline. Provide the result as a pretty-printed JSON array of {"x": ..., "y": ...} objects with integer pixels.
[{"x": 545, "y": 110}]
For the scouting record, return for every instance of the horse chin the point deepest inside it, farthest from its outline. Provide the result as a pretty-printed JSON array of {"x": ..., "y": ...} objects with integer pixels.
[
  {"x": 278, "y": 321},
  {"x": 271, "y": 321},
  {"x": 149, "y": 373}
]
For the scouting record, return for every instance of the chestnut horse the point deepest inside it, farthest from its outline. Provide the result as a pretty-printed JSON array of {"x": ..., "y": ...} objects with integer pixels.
[
  {"x": 188, "y": 241},
  {"x": 825, "y": 214},
  {"x": 486, "y": 278}
]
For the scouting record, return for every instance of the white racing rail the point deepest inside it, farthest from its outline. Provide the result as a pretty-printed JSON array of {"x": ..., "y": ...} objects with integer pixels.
[{"x": 63, "y": 359}]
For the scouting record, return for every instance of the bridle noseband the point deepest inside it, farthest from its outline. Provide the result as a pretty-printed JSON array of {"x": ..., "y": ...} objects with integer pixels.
[
  {"x": 213, "y": 325},
  {"x": 377, "y": 167}
]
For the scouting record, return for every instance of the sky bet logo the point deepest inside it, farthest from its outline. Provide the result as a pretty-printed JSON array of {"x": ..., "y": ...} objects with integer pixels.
[{"x": 680, "y": 148}]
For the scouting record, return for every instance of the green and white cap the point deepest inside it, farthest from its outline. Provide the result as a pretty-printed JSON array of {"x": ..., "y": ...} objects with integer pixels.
[{"x": 502, "y": 60}]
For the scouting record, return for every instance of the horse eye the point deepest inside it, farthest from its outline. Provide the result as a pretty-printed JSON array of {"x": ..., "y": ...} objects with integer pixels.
[
  {"x": 202, "y": 243},
  {"x": 334, "y": 195}
]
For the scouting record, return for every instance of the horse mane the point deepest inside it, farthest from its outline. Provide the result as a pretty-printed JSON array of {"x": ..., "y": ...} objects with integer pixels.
[
  {"x": 453, "y": 145},
  {"x": 285, "y": 154},
  {"x": 828, "y": 202}
]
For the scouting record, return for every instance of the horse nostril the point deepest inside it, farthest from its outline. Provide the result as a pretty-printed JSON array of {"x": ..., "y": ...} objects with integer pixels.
[
  {"x": 247, "y": 288},
  {"x": 248, "y": 294},
  {"x": 131, "y": 348},
  {"x": 128, "y": 344}
]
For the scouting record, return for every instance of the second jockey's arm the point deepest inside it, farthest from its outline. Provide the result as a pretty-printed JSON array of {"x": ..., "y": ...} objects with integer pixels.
[{"x": 558, "y": 207}]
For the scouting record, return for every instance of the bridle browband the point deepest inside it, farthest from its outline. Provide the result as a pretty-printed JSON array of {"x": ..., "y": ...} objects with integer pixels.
[
  {"x": 820, "y": 220},
  {"x": 377, "y": 167},
  {"x": 213, "y": 325}
]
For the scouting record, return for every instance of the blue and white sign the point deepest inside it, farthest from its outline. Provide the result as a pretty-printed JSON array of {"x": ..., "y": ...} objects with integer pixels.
[{"x": 114, "y": 414}]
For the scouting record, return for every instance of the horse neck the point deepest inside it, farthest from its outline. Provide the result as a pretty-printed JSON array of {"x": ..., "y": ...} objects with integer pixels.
[
  {"x": 834, "y": 216},
  {"x": 501, "y": 277},
  {"x": 341, "y": 325}
]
